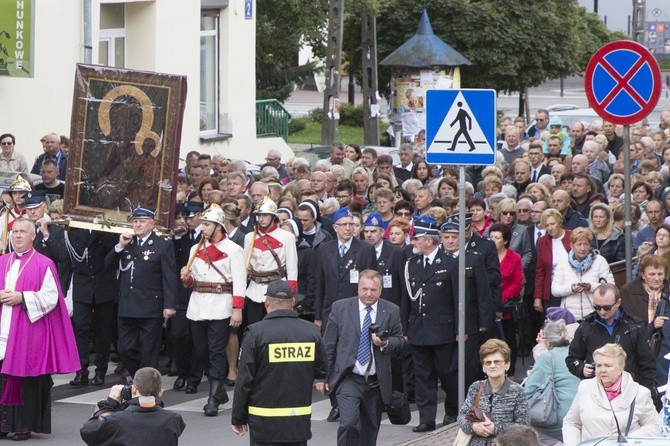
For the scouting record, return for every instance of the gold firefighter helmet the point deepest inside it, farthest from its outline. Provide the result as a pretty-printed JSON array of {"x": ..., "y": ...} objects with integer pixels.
[
  {"x": 213, "y": 213},
  {"x": 19, "y": 185},
  {"x": 267, "y": 206}
]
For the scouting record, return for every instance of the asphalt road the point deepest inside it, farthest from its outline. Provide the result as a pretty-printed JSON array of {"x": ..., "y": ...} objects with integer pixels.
[{"x": 71, "y": 407}]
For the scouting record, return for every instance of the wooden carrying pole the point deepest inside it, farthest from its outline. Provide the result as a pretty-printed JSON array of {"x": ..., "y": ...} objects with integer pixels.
[{"x": 194, "y": 255}]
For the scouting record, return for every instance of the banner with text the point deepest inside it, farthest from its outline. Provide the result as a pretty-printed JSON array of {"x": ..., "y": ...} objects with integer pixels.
[{"x": 16, "y": 38}]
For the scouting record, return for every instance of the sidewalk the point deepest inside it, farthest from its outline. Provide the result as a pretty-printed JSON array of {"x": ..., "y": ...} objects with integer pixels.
[{"x": 443, "y": 436}]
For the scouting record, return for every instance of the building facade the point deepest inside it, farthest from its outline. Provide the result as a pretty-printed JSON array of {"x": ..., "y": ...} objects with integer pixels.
[{"x": 211, "y": 42}]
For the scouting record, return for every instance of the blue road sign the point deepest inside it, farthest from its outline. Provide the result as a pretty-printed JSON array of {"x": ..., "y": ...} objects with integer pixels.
[
  {"x": 461, "y": 127},
  {"x": 623, "y": 82}
]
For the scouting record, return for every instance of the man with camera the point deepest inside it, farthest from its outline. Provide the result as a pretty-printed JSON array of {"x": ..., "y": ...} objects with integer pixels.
[
  {"x": 134, "y": 414},
  {"x": 362, "y": 334}
]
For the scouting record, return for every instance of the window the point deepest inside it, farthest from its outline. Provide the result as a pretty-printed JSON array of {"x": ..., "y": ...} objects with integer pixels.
[
  {"x": 209, "y": 73},
  {"x": 112, "y": 39}
]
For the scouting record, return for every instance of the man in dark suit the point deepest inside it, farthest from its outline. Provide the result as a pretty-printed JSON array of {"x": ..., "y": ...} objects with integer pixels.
[
  {"x": 359, "y": 359},
  {"x": 148, "y": 290},
  {"x": 536, "y": 159},
  {"x": 391, "y": 265},
  {"x": 429, "y": 305},
  {"x": 479, "y": 309},
  {"x": 338, "y": 264},
  {"x": 95, "y": 291},
  {"x": 50, "y": 239},
  {"x": 535, "y": 318},
  {"x": 179, "y": 327}
]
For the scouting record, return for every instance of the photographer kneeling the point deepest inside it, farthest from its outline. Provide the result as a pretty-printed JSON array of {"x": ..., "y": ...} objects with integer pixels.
[{"x": 137, "y": 418}]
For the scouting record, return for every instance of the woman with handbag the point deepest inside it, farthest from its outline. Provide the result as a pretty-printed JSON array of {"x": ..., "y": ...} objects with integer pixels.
[
  {"x": 612, "y": 393},
  {"x": 494, "y": 404},
  {"x": 551, "y": 374},
  {"x": 511, "y": 272}
]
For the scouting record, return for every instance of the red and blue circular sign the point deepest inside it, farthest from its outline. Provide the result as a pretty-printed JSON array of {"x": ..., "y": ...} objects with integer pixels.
[{"x": 623, "y": 82}]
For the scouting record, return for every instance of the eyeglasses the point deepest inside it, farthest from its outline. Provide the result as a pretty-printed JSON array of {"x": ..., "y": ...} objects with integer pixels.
[
  {"x": 7, "y": 143},
  {"x": 348, "y": 225},
  {"x": 496, "y": 362},
  {"x": 604, "y": 307},
  {"x": 403, "y": 213},
  {"x": 523, "y": 211},
  {"x": 510, "y": 213},
  {"x": 342, "y": 197}
]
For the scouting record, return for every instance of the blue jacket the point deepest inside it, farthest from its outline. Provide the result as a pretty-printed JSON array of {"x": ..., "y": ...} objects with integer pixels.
[{"x": 565, "y": 384}]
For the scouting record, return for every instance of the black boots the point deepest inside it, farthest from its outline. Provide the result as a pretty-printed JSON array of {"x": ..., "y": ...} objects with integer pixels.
[
  {"x": 80, "y": 379},
  {"x": 99, "y": 378},
  {"x": 217, "y": 396}
]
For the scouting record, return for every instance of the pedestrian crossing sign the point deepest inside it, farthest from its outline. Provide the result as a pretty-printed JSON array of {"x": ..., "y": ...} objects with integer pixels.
[{"x": 461, "y": 127}]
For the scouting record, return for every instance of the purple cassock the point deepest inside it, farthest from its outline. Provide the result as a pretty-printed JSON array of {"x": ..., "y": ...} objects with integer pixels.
[{"x": 44, "y": 345}]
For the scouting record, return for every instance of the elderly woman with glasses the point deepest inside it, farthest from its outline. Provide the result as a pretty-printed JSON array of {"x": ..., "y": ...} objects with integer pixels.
[
  {"x": 10, "y": 158},
  {"x": 644, "y": 298},
  {"x": 502, "y": 401},
  {"x": 603, "y": 406},
  {"x": 579, "y": 274},
  {"x": 506, "y": 213}
]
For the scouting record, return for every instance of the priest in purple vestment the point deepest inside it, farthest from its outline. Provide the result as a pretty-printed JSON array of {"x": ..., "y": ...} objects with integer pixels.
[{"x": 36, "y": 336}]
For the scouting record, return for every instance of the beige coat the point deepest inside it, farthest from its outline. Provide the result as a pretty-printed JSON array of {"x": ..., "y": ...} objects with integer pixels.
[{"x": 590, "y": 415}]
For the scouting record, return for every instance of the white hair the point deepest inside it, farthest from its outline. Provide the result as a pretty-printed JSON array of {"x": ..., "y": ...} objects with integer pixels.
[
  {"x": 548, "y": 180},
  {"x": 269, "y": 172},
  {"x": 509, "y": 191},
  {"x": 328, "y": 203},
  {"x": 411, "y": 183},
  {"x": 300, "y": 160},
  {"x": 322, "y": 165},
  {"x": 592, "y": 144}
]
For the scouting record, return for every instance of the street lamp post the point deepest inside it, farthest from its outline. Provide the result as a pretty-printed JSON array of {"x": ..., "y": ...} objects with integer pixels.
[{"x": 639, "y": 19}]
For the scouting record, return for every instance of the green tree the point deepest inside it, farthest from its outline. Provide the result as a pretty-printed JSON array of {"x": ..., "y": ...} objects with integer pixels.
[
  {"x": 511, "y": 46},
  {"x": 282, "y": 27}
]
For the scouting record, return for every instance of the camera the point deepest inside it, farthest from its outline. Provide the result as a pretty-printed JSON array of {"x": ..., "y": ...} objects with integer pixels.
[
  {"x": 381, "y": 334},
  {"x": 127, "y": 393}
]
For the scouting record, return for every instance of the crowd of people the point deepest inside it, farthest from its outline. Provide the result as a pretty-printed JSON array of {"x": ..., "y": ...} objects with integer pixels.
[{"x": 543, "y": 226}]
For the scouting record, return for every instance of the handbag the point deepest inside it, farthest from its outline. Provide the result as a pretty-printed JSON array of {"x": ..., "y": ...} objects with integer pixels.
[
  {"x": 473, "y": 415},
  {"x": 398, "y": 409},
  {"x": 462, "y": 439},
  {"x": 542, "y": 405},
  {"x": 656, "y": 336}
]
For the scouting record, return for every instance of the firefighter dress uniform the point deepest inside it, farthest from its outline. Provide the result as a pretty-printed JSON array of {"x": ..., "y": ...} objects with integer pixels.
[
  {"x": 218, "y": 280},
  {"x": 274, "y": 256}
]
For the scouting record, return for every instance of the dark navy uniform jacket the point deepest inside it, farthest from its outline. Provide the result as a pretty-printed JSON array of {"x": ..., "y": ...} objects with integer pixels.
[{"x": 148, "y": 277}]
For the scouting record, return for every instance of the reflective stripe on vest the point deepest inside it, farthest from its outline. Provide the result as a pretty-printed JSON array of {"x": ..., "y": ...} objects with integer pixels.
[{"x": 280, "y": 411}]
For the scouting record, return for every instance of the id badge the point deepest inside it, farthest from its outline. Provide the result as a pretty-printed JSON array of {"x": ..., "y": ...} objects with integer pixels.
[
  {"x": 387, "y": 281},
  {"x": 353, "y": 276}
]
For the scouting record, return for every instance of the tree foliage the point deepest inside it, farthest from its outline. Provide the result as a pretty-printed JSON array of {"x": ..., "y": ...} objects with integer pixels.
[
  {"x": 282, "y": 27},
  {"x": 512, "y": 46}
]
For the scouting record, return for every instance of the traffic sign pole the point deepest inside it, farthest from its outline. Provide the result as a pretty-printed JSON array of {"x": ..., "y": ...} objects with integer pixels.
[
  {"x": 461, "y": 285},
  {"x": 628, "y": 234}
]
